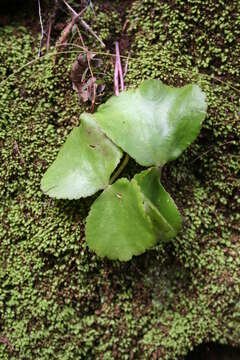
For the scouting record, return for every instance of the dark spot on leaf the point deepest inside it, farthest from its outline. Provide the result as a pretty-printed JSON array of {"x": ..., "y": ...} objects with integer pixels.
[{"x": 92, "y": 146}]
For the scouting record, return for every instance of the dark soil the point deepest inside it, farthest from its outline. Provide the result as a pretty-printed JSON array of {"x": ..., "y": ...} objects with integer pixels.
[{"x": 213, "y": 351}]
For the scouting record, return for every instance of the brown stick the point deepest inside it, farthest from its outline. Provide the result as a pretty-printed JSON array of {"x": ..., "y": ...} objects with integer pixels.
[
  {"x": 69, "y": 27},
  {"x": 42, "y": 30},
  {"x": 84, "y": 24},
  {"x": 90, "y": 69},
  {"x": 51, "y": 21},
  {"x": 66, "y": 31},
  {"x": 81, "y": 38},
  {"x": 126, "y": 66},
  {"x": 49, "y": 35}
]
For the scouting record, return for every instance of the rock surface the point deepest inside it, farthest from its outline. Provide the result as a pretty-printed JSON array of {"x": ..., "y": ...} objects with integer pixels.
[{"x": 57, "y": 299}]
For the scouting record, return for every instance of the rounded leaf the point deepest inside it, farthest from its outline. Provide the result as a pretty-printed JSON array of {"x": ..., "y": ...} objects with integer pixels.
[
  {"x": 84, "y": 163},
  {"x": 155, "y": 122},
  {"x": 117, "y": 225},
  {"x": 159, "y": 205}
]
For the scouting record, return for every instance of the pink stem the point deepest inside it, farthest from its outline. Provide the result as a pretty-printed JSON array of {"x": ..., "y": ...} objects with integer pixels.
[
  {"x": 116, "y": 82},
  {"x": 118, "y": 59},
  {"x": 118, "y": 74}
]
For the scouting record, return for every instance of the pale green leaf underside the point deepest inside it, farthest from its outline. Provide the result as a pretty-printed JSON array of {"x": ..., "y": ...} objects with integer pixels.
[
  {"x": 159, "y": 205},
  {"x": 84, "y": 163},
  {"x": 155, "y": 122},
  {"x": 117, "y": 225}
]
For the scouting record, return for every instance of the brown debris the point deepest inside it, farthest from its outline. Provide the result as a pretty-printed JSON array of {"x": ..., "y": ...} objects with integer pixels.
[
  {"x": 86, "y": 86},
  {"x": 17, "y": 151},
  {"x": 66, "y": 31},
  {"x": 6, "y": 341}
]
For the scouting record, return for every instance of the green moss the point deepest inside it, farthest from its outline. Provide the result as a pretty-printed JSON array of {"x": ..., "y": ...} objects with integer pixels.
[{"x": 58, "y": 300}]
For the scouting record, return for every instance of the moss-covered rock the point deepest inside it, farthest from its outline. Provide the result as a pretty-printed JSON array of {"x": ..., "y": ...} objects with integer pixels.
[{"x": 57, "y": 299}]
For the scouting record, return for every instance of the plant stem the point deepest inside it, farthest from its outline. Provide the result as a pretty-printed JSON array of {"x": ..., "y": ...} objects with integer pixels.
[
  {"x": 116, "y": 79},
  {"x": 126, "y": 66},
  {"x": 160, "y": 171},
  {"x": 118, "y": 62},
  {"x": 120, "y": 169},
  {"x": 118, "y": 75}
]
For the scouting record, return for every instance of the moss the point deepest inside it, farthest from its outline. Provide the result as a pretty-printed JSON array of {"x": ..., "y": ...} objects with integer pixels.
[{"x": 58, "y": 300}]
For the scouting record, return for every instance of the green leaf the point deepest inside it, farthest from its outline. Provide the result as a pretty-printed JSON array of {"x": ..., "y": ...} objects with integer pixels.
[
  {"x": 84, "y": 163},
  {"x": 159, "y": 205},
  {"x": 155, "y": 122},
  {"x": 117, "y": 225}
]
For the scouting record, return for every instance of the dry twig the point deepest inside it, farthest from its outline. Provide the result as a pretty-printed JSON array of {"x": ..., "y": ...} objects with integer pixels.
[
  {"x": 126, "y": 66},
  {"x": 89, "y": 92},
  {"x": 84, "y": 24},
  {"x": 42, "y": 29},
  {"x": 51, "y": 21},
  {"x": 66, "y": 31}
]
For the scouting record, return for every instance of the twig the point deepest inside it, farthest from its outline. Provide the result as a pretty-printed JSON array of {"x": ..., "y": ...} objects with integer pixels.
[
  {"x": 91, "y": 6},
  {"x": 95, "y": 52},
  {"x": 66, "y": 31},
  {"x": 50, "y": 54},
  {"x": 51, "y": 21},
  {"x": 49, "y": 35},
  {"x": 126, "y": 66},
  {"x": 94, "y": 86},
  {"x": 70, "y": 8},
  {"x": 88, "y": 28},
  {"x": 90, "y": 69},
  {"x": 86, "y": 49},
  {"x": 125, "y": 25},
  {"x": 33, "y": 62},
  {"x": 84, "y": 24},
  {"x": 210, "y": 149},
  {"x": 42, "y": 30},
  {"x": 81, "y": 39},
  {"x": 63, "y": 38}
]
